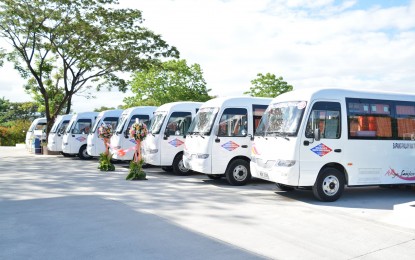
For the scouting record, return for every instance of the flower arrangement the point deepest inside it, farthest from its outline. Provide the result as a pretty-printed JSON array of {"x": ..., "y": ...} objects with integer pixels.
[
  {"x": 105, "y": 131},
  {"x": 138, "y": 131}
]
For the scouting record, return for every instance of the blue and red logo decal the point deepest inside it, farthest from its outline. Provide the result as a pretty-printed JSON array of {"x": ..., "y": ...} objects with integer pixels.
[
  {"x": 133, "y": 141},
  {"x": 80, "y": 139},
  {"x": 176, "y": 142},
  {"x": 321, "y": 149},
  {"x": 230, "y": 146}
]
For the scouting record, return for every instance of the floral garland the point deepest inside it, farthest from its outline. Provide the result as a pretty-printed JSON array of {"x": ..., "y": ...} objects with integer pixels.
[
  {"x": 105, "y": 131},
  {"x": 138, "y": 131}
]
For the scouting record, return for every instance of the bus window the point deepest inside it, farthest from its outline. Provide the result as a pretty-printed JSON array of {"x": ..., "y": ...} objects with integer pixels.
[
  {"x": 233, "y": 122},
  {"x": 258, "y": 111},
  {"x": 369, "y": 119},
  {"x": 178, "y": 123},
  {"x": 326, "y": 117},
  {"x": 405, "y": 116}
]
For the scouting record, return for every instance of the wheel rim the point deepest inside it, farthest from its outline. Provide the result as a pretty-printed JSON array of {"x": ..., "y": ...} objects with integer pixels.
[
  {"x": 240, "y": 173},
  {"x": 181, "y": 167},
  {"x": 331, "y": 185}
]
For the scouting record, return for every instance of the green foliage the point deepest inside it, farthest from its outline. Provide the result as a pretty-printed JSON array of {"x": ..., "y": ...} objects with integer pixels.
[
  {"x": 103, "y": 108},
  {"x": 2, "y": 55},
  {"x": 105, "y": 162},
  {"x": 12, "y": 111},
  {"x": 171, "y": 81},
  {"x": 136, "y": 171},
  {"x": 14, "y": 132},
  {"x": 62, "y": 47},
  {"x": 268, "y": 85}
]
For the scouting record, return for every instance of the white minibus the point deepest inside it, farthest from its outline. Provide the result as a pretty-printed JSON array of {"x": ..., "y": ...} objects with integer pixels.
[
  {"x": 56, "y": 133},
  {"x": 76, "y": 133},
  {"x": 95, "y": 145},
  {"x": 324, "y": 139},
  {"x": 36, "y": 130},
  {"x": 120, "y": 140},
  {"x": 167, "y": 132},
  {"x": 218, "y": 142}
]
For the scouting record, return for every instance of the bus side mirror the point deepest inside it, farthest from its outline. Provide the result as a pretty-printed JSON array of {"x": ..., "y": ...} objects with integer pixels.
[
  {"x": 166, "y": 135},
  {"x": 126, "y": 133},
  {"x": 317, "y": 136}
]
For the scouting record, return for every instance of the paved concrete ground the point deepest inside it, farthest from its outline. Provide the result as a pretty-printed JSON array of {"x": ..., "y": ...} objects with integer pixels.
[{"x": 53, "y": 207}]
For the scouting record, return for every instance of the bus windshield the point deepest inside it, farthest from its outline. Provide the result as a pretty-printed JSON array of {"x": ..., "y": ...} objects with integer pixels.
[
  {"x": 156, "y": 122},
  {"x": 203, "y": 122},
  {"x": 282, "y": 118},
  {"x": 120, "y": 126}
]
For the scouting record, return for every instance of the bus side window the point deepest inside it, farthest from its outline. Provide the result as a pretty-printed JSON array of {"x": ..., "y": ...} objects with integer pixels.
[{"x": 326, "y": 117}]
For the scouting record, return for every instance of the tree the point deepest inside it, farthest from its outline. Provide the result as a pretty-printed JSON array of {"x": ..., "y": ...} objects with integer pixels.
[
  {"x": 268, "y": 85},
  {"x": 2, "y": 55},
  {"x": 14, "y": 133},
  {"x": 103, "y": 108},
  {"x": 84, "y": 42},
  {"x": 12, "y": 111},
  {"x": 172, "y": 81}
]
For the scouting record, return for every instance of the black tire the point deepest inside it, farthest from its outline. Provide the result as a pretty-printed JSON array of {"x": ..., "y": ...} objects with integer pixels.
[
  {"x": 238, "y": 172},
  {"x": 167, "y": 168},
  {"x": 83, "y": 154},
  {"x": 178, "y": 166},
  {"x": 215, "y": 176},
  {"x": 329, "y": 185},
  {"x": 284, "y": 187},
  {"x": 66, "y": 154}
]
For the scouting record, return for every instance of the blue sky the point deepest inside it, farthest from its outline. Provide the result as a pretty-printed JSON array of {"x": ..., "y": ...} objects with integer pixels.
[{"x": 311, "y": 43}]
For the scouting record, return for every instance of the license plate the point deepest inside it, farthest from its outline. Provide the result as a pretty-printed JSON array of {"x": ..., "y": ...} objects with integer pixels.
[{"x": 264, "y": 175}]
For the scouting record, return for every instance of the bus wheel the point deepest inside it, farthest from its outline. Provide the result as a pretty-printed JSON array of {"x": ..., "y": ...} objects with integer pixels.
[
  {"x": 83, "y": 154},
  {"x": 238, "y": 172},
  {"x": 329, "y": 185},
  {"x": 215, "y": 176},
  {"x": 284, "y": 187},
  {"x": 178, "y": 166}
]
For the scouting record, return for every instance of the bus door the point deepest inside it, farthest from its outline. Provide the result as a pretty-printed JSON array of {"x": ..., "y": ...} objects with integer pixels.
[
  {"x": 232, "y": 139},
  {"x": 173, "y": 139},
  {"x": 326, "y": 117}
]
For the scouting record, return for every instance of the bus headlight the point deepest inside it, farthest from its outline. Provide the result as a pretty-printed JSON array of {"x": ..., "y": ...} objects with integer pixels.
[{"x": 284, "y": 163}]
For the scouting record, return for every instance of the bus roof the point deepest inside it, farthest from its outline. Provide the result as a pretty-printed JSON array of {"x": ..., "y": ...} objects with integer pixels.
[
  {"x": 179, "y": 105},
  {"x": 113, "y": 112},
  {"x": 139, "y": 109},
  {"x": 338, "y": 93},
  {"x": 234, "y": 101}
]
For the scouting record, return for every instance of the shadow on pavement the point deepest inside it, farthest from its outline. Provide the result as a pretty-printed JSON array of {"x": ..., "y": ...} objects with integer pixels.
[
  {"x": 372, "y": 197},
  {"x": 89, "y": 227}
]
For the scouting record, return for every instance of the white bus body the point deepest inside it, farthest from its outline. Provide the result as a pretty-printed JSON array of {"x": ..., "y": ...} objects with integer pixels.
[
  {"x": 76, "y": 134},
  {"x": 36, "y": 130},
  {"x": 56, "y": 133},
  {"x": 163, "y": 145},
  {"x": 218, "y": 142},
  {"x": 95, "y": 145},
  {"x": 328, "y": 138},
  {"x": 121, "y": 140}
]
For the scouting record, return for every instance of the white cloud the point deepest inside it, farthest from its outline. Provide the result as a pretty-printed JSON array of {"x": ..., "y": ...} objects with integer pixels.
[{"x": 310, "y": 43}]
